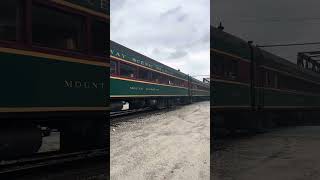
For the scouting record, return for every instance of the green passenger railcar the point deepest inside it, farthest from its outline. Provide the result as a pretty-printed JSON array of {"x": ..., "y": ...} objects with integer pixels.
[
  {"x": 276, "y": 87},
  {"x": 53, "y": 73},
  {"x": 142, "y": 81}
]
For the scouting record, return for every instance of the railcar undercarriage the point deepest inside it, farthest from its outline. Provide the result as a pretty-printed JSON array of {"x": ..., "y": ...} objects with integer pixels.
[
  {"x": 231, "y": 122},
  {"x": 153, "y": 102},
  {"x": 23, "y": 137}
]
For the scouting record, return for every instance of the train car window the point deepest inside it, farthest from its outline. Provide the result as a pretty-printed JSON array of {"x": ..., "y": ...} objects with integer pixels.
[
  {"x": 144, "y": 74},
  {"x": 275, "y": 80},
  {"x": 194, "y": 86},
  {"x": 99, "y": 37},
  {"x": 271, "y": 79},
  {"x": 171, "y": 81},
  {"x": 163, "y": 79},
  {"x": 8, "y": 19},
  {"x": 225, "y": 67},
  {"x": 56, "y": 29},
  {"x": 179, "y": 82},
  {"x": 230, "y": 68},
  {"x": 186, "y": 84},
  {"x": 183, "y": 83},
  {"x": 155, "y": 77},
  {"x": 285, "y": 82},
  {"x": 268, "y": 80},
  {"x": 282, "y": 81},
  {"x": 234, "y": 69},
  {"x": 113, "y": 67},
  {"x": 127, "y": 70},
  {"x": 217, "y": 65},
  {"x": 176, "y": 82}
]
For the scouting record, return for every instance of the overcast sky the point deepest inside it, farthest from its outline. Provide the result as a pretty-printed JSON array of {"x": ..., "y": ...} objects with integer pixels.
[
  {"x": 271, "y": 22},
  {"x": 173, "y": 32}
]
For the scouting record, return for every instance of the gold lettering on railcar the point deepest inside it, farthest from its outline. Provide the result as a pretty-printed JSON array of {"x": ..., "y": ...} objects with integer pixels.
[
  {"x": 142, "y": 89},
  {"x": 136, "y": 88},
  {"x": 152, "y": 89},
  {"x": 86, "y": 85},
  {"x": 95, "y": 85},
  {"x": 77, "y": 84},
  {"x": 68, "y": 84},
  {"x": 139, "y": 61},
  {"x": 83, "y": 84}
]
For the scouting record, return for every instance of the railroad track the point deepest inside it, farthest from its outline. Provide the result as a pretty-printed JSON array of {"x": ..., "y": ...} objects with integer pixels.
[
  {"x": 47, "y": 160},
  {"x": 114, "y": 115},
  {"x": 128, "y": 112},
  {"x": 116, "y": 118}
]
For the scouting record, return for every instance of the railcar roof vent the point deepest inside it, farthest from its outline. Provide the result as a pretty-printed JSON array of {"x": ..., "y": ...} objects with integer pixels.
[
  {"x": 220, "y": 27},
  {"x": 206, "y": 80},
  {"x": 309, "y": 60}
]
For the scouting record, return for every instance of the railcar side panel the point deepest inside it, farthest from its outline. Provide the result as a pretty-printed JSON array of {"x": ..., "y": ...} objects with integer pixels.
[
  {"x": 30, "y": 81},
  {"x": 282, "y": 99},
  {"x": 197, "y": 92},
  {"x": 231, "y": 94},
  {"x": 122, "y": 88},
  {"x": 101, "y": 6}
]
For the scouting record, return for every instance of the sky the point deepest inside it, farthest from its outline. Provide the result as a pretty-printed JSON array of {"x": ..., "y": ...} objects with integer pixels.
[
  {"x": 173, "y": 32},
  {"x": 271, "y": 22}
]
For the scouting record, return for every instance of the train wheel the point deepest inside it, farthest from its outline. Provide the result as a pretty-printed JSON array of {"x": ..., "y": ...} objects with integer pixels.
[
  {"x": 83, "y": 135},
  {"x": 161, "y": 104},
  {"x": 170, "y": 103},
  {"x": 18, "y": 140},
  {"x": 254, "y": 122}
]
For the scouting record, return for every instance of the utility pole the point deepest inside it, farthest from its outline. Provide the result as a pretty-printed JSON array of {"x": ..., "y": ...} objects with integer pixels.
[
  {"x": 189, "y": 89},
  {"x": 252, "y": 77}
]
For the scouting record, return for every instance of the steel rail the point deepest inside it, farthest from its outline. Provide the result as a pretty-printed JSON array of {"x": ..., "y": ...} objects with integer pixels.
[
  {"x": 128, "y": 112},
  {"x": 44, "y": 160}
]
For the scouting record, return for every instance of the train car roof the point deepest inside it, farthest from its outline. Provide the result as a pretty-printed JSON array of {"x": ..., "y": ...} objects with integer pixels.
[
  {"x": 123, "y": 52},
  {"x": 234, "y": 45},
  {"x": 226, "y": 42},
  {"x": 97, "y": 5},
  {"x": 287, "y": 66}
]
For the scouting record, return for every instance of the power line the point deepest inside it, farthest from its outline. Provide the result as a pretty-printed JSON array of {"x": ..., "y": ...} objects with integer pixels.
[
  {"x": 273, "y": 20},
  {"x": 199, "y": 75},
  {"x": 292, "y": 44},
  {"x": 279, "y": 20}
]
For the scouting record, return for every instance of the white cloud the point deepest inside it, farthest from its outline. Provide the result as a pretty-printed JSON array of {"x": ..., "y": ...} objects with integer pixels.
[
  {"x": 271, "y": 22},
  {"x": 173, "y": 32}
]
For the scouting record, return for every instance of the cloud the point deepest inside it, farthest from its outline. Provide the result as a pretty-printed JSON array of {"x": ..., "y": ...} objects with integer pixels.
[
  {"x": 171, "y": 12},
  {"x": 117, "y": 5},
  {"x": 169, "y": 31},
  {"x": 177, "y": 54},
  {"x": 271, "y": 22}
]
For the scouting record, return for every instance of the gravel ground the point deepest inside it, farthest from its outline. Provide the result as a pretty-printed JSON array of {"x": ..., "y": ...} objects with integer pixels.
[
  {"x": 82, "y": 170},
  {"x": 50, "y": 143},
  {"x": 283, "y": 154},
  {"x": 172, "y": 144}
]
